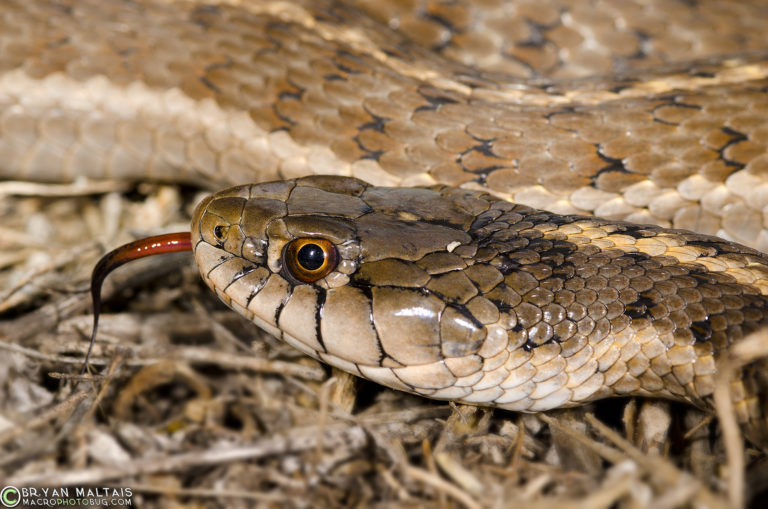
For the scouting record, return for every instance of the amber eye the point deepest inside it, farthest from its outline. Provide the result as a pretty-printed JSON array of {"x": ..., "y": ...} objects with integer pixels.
[{"x": 310, "y": 260}]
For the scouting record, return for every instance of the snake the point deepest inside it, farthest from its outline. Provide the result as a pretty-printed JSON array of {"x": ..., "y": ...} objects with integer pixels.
[{"x": 492, "y": 203}]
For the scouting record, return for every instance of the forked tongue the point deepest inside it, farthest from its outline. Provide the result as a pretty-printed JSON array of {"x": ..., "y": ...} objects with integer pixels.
[{"x": 159, "y": 244}]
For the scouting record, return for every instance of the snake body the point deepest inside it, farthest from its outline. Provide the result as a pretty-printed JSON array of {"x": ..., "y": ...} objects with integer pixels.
[
  {"x": 457, "y": 295},
  {"x": 649, "y": 112}
]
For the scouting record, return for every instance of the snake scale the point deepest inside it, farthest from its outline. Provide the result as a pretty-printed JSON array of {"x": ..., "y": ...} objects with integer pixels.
[{"x": 464, "y": 289}]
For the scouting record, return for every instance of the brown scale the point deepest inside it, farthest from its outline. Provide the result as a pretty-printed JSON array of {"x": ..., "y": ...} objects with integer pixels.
[
  {"x": 602, "y": 292},
  {"x": 517, "y": 97},
  {"x": 654, "y": 323}
]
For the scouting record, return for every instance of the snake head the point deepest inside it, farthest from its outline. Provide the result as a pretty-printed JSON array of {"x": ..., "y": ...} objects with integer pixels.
[{"x": 339, "y": 269}]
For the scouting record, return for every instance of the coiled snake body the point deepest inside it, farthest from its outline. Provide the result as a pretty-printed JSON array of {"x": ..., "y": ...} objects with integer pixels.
[{"x": 442, "y": 291}]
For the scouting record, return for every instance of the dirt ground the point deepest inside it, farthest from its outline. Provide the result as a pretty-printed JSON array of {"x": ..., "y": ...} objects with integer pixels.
[{"x": 189, "y": 405}]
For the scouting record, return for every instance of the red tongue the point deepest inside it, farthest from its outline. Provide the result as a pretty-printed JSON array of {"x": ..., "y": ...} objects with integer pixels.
[{"x": 159, "y": 244}]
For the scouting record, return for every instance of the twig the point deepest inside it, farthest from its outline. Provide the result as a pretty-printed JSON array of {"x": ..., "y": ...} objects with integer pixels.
[
  {"x": 441, "y": 485},
  {"x": 63, "y": 408},
  {"x": 193, "y": 355},
  {"x": 660, "y": 469},
  {"x": 742, "y": 353},
  {"x": 209, "y": 493},
  {"x": 296, "y": 440}
]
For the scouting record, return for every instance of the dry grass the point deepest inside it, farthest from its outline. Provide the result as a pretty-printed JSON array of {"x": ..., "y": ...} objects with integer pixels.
[{"x": 191, "y": 406}]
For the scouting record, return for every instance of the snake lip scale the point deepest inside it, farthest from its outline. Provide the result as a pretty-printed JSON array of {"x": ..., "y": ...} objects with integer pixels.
[
  {"x": 443, "y": 133},
  {"x": 454, "y": 294}
]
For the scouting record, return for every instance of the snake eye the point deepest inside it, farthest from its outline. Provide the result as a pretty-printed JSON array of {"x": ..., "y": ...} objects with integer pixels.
[{"x": 310, "y": 260}]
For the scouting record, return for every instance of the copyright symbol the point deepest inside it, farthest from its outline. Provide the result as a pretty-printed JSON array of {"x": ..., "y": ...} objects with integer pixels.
[{"x": 9, "y": 497}]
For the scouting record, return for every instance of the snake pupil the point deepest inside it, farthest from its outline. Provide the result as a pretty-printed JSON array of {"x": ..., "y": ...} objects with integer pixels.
[{"x": 311, "y": 257}]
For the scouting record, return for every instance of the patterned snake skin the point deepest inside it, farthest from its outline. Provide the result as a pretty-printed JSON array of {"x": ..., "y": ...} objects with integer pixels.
[
  {"x": 649, "y": 112},
  {"x": 454, "y": 294}
]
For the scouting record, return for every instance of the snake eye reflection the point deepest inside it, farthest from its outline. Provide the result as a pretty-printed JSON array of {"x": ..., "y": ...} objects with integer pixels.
[
  {"x": 218, "y": 232},
  {"x": 310, "y": 260}
]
